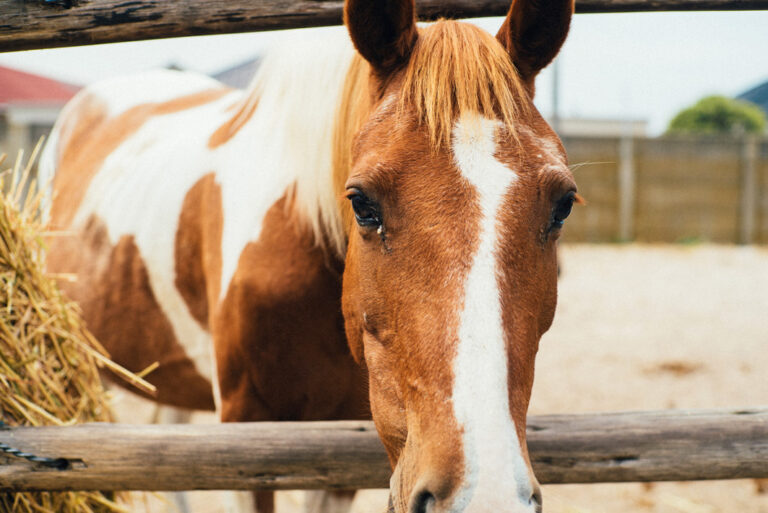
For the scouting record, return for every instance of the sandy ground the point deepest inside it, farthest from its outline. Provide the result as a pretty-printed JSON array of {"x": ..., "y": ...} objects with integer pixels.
[
  {"x": 639, "y": 327},
  {"x": 652, "y": 327}
]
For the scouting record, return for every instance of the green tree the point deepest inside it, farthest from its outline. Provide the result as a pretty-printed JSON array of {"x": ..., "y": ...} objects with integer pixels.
[{"x": 719, "y": 115}]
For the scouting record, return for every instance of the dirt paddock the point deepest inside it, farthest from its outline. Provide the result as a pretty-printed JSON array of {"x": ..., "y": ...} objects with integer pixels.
[
  {"x": 651, "y": 327},
  {"x": 644, "y": 327}
]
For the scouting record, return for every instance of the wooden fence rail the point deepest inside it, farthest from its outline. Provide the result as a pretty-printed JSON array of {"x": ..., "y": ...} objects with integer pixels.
[
  {"x": 28, "y": 24},
  {"x": 613, "y": 447}
]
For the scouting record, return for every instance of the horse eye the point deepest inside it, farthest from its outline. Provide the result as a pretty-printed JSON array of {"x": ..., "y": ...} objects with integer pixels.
[
  {"x": 366, "y": 211},
  {"x": 562, "y": 210}
]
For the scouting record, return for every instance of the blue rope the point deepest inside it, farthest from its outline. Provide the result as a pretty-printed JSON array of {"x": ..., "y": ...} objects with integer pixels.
[{"x": 57, "y": 463}]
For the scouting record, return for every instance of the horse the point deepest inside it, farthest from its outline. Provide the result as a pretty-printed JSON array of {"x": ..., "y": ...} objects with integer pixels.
[{"x": 368, "y": 231}]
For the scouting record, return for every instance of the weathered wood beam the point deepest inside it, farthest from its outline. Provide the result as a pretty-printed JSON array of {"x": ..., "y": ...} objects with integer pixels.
[
  {"x": 612, "y": 447},
  {"x": 32, "y": 24},
  {"x": 605, "y": 6}
]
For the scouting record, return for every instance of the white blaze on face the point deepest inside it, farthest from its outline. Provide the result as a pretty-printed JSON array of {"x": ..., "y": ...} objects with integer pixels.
[{"x": 496, "y": 477}]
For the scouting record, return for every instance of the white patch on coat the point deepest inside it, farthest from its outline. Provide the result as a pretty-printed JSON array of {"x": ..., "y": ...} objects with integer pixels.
[{"x": 496, "y": 475}]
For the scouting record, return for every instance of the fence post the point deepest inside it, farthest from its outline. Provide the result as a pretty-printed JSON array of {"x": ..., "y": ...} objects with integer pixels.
[
  {"x": 748, "y": 183},
  {"x": 626, "y": 186}
]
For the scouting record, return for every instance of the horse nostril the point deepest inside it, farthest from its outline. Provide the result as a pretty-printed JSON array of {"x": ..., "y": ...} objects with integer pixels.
[
  {"x": 536, "y": 499},
  {"x": 423, "y": 502}
]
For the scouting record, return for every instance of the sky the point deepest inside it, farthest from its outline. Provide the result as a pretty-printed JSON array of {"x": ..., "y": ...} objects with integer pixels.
[{"x": 642, "y": 66}]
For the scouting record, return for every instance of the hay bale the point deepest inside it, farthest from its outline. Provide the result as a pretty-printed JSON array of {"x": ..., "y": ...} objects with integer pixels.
[{"x": 48, "y": 360}]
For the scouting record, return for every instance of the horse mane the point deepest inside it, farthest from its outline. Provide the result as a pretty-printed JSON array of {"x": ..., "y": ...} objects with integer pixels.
[
  {"x": 354, "y": 108},
  {"x": 455, "y": 69},
  {"x": 296, "y": 92}
]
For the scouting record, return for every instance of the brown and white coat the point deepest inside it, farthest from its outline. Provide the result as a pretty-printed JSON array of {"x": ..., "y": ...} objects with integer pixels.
[{"x": 211, "y": 230}]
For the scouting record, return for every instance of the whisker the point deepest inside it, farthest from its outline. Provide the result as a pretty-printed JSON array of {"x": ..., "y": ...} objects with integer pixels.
[{"x": 574, "y": 167}]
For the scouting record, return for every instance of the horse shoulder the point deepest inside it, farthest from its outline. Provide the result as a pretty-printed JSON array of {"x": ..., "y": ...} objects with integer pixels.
[{"x": 278, "y": 332}]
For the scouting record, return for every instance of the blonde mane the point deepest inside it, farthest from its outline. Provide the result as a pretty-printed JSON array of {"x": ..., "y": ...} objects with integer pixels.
[
  {"x": 354, "y": 108},
  {"x": 458, "y": 68}
]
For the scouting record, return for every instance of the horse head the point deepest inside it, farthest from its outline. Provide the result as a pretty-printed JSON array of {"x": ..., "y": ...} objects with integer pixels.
[{"x": 456, "y": 193}]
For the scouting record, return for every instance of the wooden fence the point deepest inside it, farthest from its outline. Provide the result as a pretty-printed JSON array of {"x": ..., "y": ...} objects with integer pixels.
[
  {"x": 612, "y": 447},
  {"x": 648, "y": 446},
  {"x": 26, "y": 24},
  {"x": 670, "y": 189}
]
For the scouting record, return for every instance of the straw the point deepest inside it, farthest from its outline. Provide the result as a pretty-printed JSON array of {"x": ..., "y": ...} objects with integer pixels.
[{"x": 49, "y": 362}]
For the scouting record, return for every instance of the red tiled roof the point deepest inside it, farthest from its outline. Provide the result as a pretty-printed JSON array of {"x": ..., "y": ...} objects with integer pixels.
[{"x": 20, "y": 87}]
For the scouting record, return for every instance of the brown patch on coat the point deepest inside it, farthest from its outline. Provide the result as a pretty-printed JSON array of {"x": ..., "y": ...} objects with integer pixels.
[
  {"x": 243, "y": 113},
  {"x": 198, "y": 248},
  {"x": 77, "y": 160},
  {"x": 121, "y": 310},
  {"x": 91, "y": 137},
  {"x": 278, "y": 332},
  {"x": 79, "y": 119}
]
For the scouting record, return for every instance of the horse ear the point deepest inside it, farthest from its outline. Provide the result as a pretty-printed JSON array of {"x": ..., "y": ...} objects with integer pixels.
[
  {"x": 383, "y": 31},
  {"x": 533, "y": 33}
]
